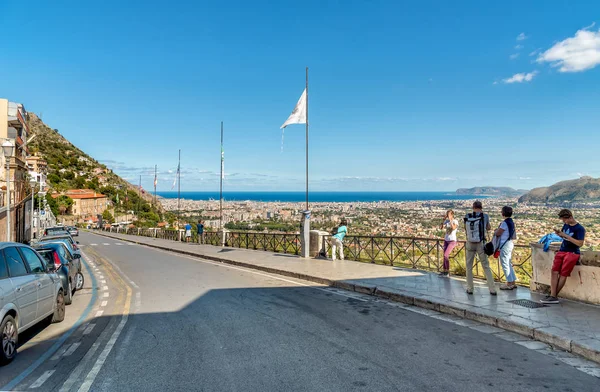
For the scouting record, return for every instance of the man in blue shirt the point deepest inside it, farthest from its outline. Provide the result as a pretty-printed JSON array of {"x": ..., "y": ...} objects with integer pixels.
[
  {"x": 200, "y": 230},
  {"x": 338, "y": 238},
  {"x": 573, "y": 235}
]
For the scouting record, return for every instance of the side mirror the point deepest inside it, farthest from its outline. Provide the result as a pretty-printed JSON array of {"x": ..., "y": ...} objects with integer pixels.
[
  {"x": 50, "y": 268},
  {"x": 77, "y": 256}
]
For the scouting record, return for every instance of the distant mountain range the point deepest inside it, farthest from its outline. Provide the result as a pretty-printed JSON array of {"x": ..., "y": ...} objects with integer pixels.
[
  {"x": 582, "y": 189},
  {"x": 498, "y": 191}
]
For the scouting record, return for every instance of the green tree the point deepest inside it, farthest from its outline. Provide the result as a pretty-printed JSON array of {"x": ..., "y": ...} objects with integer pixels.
[
  {"x": 79, "y": 182},
  {"x": 52, "y": 203},
  {"x": 107, "y": 217},
  {"x": 64, "y": 204}
]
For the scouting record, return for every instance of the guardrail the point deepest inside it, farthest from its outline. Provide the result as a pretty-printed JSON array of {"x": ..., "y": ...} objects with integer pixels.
[
  {"x": 427, "y": 254},
  {"x": 406, "y": 252}
]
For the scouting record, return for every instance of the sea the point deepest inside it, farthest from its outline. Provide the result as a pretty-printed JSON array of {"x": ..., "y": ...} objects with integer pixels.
[{"x": 325, "y": 197}]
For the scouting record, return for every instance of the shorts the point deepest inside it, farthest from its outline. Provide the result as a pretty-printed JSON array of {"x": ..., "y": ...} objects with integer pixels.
[
  {"x": 188, "y": 233},
  {"x": 564, "y": 262}
]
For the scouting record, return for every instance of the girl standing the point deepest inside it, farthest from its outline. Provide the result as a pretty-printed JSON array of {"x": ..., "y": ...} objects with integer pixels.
[{"x": 451, "y": 226}]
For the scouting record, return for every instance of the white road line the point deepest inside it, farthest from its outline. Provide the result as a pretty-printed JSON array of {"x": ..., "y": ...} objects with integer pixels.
[
  {"x": 118, "y": 243},
  {"x": 40, "y": 381},
  {"x": 89, "y": 380},
  {"x": 105, "y": 243},
  {"x": 104, "y": 288},
  {"x": 89, "y": 329},
  {"x": 94, "y": 244},
  {"x": 103, "y": 304},
  {"x": 59, "y": 353},
  {"x": 99, "y": 313},
  {"x": 72, "y": 349},
  {"x": 105, "y": 295},
  {"x": 103, "y": 281}
]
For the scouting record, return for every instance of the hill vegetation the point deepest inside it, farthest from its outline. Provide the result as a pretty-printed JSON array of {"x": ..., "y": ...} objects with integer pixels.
[
  {"x": 71, "y": 168},
  {"x": 584, "y": 189}
]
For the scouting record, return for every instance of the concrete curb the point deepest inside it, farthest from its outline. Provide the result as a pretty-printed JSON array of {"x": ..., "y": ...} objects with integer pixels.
[{"x": 585, "y": 346}]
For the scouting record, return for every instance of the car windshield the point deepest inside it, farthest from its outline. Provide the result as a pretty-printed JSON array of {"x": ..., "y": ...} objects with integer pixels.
[{"x": 55, "y": 230}]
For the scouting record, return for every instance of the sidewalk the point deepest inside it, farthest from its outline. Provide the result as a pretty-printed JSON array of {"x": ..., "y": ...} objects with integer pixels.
[{"x": 571, "y": 326}]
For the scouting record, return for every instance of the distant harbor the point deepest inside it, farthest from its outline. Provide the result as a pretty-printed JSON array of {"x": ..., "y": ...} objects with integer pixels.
[{"x": 321, "y": 197}]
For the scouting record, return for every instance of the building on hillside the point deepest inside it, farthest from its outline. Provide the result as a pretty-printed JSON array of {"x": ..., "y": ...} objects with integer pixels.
[
  {"x": 87, "y": 203},
  {"x": 13, "y": 127},
  {"x": 38, "y": 169}
]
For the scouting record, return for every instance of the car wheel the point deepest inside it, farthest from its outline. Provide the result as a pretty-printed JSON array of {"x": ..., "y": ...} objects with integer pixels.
[
  {"x": 79, "y": 281},
  {"x": 59, "y": 312},
  {"x": 9, "y": 338},
  {"x": 69, "y": 295}
]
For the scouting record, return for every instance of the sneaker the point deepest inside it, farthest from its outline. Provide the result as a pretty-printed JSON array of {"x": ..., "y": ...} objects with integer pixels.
[
  {"x": 507, "y": 287},
  {"x": 470, "y": 291},
  {"x": 550, "y": 300},
  {"x": 443, "y": 274},
  {"x": 493, "y": 293}
]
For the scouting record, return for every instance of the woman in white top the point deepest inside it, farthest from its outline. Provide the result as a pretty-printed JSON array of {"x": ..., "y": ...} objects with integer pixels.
[
  {"x": 451, "y": 226},
  {"x": 503, "y": 244}
]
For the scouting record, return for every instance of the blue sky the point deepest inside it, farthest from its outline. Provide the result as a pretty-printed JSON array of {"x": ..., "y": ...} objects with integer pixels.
[{"x": 427, "y": 95}]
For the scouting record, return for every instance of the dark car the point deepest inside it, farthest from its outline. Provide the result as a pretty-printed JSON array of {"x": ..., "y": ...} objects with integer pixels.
[
  {"x": 57, "y": 230},
  {"x": 62, "y": 238},
  {"x": 65, "y": 265}
]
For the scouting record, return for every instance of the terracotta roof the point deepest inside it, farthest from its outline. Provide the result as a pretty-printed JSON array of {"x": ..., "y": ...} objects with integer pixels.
[{"x": 81, "y": 194}]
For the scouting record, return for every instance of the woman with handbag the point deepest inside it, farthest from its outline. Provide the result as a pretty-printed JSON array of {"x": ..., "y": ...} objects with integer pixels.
[
  {"x": 504, "y": 236},
  {"x": 450, "y": 225}
]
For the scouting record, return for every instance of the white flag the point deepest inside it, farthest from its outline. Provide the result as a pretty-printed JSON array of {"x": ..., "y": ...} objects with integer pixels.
[{"x": 298, "y": 115}]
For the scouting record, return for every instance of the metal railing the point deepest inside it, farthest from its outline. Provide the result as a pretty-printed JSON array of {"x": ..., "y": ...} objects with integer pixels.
[
  {"x": 273, "y": 242},
  {"x": 426, "y": 254},
  {"x": 406, "y": 252}
]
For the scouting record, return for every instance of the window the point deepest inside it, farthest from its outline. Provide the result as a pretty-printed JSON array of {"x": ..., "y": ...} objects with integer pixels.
[
  {"x": 36, "y": 265},
  {"x": 47, "y": 255},
  {"x": 16, "y": 266},
  {"x": 3, "y": 268}
]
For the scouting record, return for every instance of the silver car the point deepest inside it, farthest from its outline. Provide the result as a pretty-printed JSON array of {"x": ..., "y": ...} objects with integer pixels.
[{"x": 30, "y": 291}]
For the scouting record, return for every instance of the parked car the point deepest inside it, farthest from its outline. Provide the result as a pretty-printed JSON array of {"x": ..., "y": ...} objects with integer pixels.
[
  {"x": 30, "y": 291},
  {"x": 66, "y": 265},
  {"x": 66, "y": 238},
  {"x": 56, "y": 230},
  {"x": 73, "y": 231}
]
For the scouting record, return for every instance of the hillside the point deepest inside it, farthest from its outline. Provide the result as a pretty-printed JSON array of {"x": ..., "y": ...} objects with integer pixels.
[
  {"x": 582, "y": 189},
  {"x": 491, "y": 191},
  {"x": 71, "y": 168}
]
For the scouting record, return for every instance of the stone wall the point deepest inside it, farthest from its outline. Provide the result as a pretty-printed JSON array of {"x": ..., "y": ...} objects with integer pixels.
[{"x": 584, "y": 283}]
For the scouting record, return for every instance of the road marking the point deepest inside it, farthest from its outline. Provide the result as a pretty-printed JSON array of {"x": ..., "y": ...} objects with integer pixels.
[
  {"x": 105, "y": 243},
  {"x": 104, "y": 303},
  {"x": 59, "y": 353},
  {"x": 72, "y": 349},
  {"x": 40, "y": 381},
  {"x": 99, "y": 313},
  {"x": 91, "y": 377},
  {"x": 104, "y": 288},
  {"x": 118, "y": 243},
  {"x": 105, "y": 295},
  {"x": 93, "y": 244},
  {"x": 89, "y": 329},
  {"x": 17, "y": 380},
  {"x": 103, "y": 281}
]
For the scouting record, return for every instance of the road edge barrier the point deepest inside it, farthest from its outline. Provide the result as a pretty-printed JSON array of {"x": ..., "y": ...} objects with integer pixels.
[{"x": 585, "y": 346}]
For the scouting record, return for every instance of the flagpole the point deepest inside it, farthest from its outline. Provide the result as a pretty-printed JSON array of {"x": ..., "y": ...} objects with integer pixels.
[
  {"x": 139, "y": 197},
  {"x": 221, "y": 186},
  {"x": 178, "y": 186},
  {"x": 306, "y": 138},
  {"x": 155, "y": 184}
]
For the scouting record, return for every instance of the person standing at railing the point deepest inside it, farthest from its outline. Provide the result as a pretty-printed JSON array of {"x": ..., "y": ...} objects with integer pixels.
[
  {"x": 503, "y": 245},
  {"x": 476, "y": 225},
  {"x": 188, "y": 232},
  {"x": 337, "y": 240},
  {"x": 451, "y": 226},
  {"x": 200, "y": 230}
]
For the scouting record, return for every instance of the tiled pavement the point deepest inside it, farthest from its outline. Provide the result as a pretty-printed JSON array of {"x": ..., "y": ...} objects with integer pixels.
[{"x": 572, "y": 326}]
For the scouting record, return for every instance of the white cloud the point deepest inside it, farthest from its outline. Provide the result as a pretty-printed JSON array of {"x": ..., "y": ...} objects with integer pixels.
[
  {"x": 518, "y": 47},
  {"x": 522, "y": 37},
  {"x": 535, "y": 52},
  {"x": 574, "y": 54},
  {"x": 525, "y": 178},
  {"x": 514, "y": 56},
  {"x": 521, "y": 77}
]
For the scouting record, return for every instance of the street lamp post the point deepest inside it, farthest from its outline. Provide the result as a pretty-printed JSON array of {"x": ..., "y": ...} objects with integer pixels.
[
  {"x": 32, "y": 183},
  {"x": 7, "y": 149}
]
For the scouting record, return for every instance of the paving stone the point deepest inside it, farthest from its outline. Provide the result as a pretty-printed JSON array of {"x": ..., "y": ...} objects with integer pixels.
[
  {"x": 511, "y": 336},
  {"x": 555, "y": 336},
  {"x": 533, "y": 345},
  {"x": 589, "y": 348},
  {"x": 486, "y": 329}
]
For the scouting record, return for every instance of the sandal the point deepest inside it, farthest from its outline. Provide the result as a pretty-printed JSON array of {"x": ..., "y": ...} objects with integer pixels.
[{"x": 507, "y": 287}]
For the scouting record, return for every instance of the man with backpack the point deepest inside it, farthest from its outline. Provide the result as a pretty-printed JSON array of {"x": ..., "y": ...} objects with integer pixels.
[{"x": 476, "y": 225}]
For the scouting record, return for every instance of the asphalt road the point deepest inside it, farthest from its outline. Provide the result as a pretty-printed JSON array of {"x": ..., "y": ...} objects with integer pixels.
[{"x": 176, "y": 323}]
